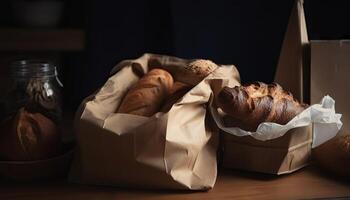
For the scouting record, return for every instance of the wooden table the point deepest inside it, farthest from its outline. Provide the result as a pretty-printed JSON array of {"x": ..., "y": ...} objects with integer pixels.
[{"x": 307, "y": 183}]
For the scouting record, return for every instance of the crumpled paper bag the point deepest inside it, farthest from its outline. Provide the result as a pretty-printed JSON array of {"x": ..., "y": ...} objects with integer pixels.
[{"x": 174, "y": 150}]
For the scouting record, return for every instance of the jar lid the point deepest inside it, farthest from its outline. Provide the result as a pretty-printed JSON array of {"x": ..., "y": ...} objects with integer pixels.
[{"x": 33, "y": 68}]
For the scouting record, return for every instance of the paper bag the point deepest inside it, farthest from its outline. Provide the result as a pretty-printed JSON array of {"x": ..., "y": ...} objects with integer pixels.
[
  {"x": 174, "y": 150},
  {"x": 293, "y": 63},
  {"x": 329, "y": 74},
  {"x": 283, "y": 149},
  {"x": 282, "y": 155}
]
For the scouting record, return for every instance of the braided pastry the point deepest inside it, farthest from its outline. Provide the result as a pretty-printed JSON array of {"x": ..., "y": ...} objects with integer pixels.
[{"x": 248, "y": 106}]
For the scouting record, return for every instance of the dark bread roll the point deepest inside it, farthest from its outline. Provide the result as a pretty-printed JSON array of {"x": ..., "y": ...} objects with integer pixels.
[
  {"x": 147, "y": 96},
  {"x": 248, "y": 106},
  {"x": 334, "y": 155},
  {"x": 29, "y": 136},
  {"x": 177, "y": 92}
]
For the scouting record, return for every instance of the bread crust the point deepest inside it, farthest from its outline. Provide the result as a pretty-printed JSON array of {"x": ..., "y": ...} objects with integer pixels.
[
  {"x": 248, "y": 106},
  {"x": 334, "y": 155},
  {"x": 147, "y": 96},
  {"x": 190, "y": 73}
]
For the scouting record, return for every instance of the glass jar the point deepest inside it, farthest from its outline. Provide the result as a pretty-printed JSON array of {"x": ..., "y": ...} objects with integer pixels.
[{"x": 34, "y": 85}]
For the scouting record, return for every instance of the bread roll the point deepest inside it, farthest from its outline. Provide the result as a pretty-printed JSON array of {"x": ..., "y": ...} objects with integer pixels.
[
  {"x": 29, "y": 136},
  {"x": 177, "y": 92},
  {"x": 199, "y": 69},
  {"x": 334, "y": 155},
  {"x": 190, "y": 73},
  {"x": 248, "y": 106},
  {"x": 149, "y": 93}
]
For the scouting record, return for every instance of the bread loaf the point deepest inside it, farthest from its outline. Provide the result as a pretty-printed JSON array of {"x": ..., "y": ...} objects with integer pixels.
[
  {"x": 199, "y": 69},
  {"x": 190, "y": 73},
  {"x": 29, "y": 136},
  {"x": 248, "y": 106},
  {"x": 179, "y": 90},
  {"x": 334, "y": 155},
  {"x": 148, "y": 95}
]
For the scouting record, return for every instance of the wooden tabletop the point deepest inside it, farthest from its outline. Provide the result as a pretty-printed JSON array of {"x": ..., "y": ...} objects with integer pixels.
[{"x": 308, "y": 183}]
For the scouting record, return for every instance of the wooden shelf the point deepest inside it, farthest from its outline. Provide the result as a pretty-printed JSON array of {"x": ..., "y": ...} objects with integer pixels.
[{"x": 21, "y": 39}]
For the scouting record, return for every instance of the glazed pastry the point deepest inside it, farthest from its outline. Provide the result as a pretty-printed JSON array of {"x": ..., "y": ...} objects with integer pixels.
[{"x": 248, "y": 106}]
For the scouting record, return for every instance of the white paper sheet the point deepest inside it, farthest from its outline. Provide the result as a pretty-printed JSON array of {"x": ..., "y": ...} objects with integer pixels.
[{"x": 326, "y": 123}]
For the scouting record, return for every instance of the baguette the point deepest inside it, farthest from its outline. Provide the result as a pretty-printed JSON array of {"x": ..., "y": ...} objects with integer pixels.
[{"x": 148, "y": 95}]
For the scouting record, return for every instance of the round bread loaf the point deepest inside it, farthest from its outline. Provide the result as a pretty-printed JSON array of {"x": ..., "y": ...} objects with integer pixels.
[
  {"x": 190, "y": 73},
  {"x": 196, "y": 71},
  {"x": 29, "y": 136},
  {"x": 334, "y": 155},
  {"x": 201, "y": 68}
]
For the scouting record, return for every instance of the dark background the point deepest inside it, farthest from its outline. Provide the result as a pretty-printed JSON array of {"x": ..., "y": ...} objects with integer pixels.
[{"x": 247, "y": 33}]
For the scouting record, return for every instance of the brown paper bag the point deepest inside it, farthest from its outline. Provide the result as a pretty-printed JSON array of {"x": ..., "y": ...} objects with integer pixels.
[
  {"x": 278, "y": 156},
  {"x": 174, "y": 150},
  {"x": 290, "y": 152},
  {"x": 330, "y": 61}
]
